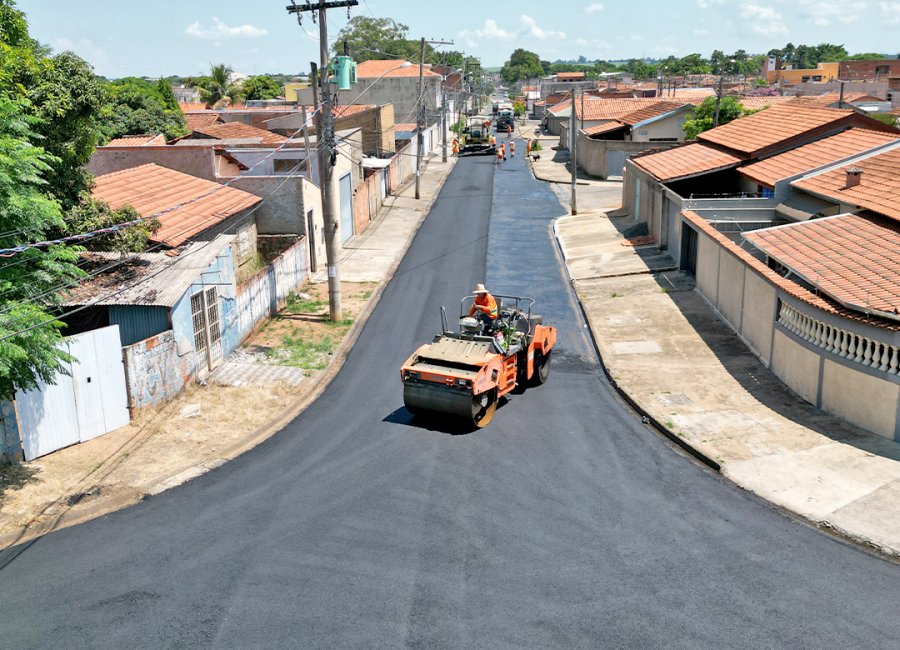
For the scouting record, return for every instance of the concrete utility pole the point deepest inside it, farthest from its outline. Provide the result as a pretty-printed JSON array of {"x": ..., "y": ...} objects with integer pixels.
[
  {"x": 444, "y": 119},
  {"x": 327, "y": 153},
  {"x": 420, "y": 136},
  {"x": 573, "y": 201}
]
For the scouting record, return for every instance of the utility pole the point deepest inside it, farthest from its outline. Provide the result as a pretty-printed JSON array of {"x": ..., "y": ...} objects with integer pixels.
[
  {"x": 328, "y": 152},
  {"x": 718, "y": 101},
  {"x": 444, "y": 119},
  {"x": 572, "y": 149},
  {"x": 420, "y": 135}
]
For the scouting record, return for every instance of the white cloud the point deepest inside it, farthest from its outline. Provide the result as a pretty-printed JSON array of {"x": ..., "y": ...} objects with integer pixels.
[
  {"x": 219, "y": 30},
  {"x": 704, "y": 4},
  {"x": 701, "y": 32},
  {"x": 532, "y": 29},
  {"x": 581, "y": 41},
  {"x": 763, "y": 20},
  {"x": 490, "y": 30},
  {"x": 891, "y": 12},
  {"x": 83, "y": 47},
  {"x": 667, "y": 49},
  {"x": 594, "y": 7},
  {"x": 822, "y": 12}
]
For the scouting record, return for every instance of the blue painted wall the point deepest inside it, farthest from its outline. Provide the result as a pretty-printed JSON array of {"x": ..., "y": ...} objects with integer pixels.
[{"x": 220, "y": 274}]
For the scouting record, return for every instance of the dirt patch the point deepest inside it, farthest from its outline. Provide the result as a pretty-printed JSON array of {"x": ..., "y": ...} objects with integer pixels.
[{"x": 122, "y": 466}]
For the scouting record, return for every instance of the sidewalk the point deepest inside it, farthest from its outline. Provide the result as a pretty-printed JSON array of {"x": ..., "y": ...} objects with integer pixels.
[
  {"x": 664, "y": 348},
  {"x": 208, "y": 425}
]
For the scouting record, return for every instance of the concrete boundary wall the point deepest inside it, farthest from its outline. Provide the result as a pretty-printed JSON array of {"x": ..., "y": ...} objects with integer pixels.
[{"x": 844, "y": 366}]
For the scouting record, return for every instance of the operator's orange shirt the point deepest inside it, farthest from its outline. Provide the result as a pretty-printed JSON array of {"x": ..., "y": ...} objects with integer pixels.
[{"x": 485, "y": 300}]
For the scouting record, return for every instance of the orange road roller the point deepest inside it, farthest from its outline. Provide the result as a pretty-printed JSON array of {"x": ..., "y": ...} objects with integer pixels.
[{"x": 463, "y": 374}]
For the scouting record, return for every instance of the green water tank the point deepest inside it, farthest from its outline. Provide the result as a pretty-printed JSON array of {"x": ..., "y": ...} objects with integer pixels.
[{"x": 344, "y": 70}]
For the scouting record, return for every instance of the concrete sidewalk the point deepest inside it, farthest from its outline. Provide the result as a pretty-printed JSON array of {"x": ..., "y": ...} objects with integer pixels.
[
  {"x": 667, "y": 351},
  {"x": 162, "y": 449}
]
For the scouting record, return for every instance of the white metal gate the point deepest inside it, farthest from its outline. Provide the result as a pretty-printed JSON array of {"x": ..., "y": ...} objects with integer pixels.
[
  {"x": 346, "y": 185},
  {"x": 207, "y": 330},
  {"x": 88, "y": 402},
  {"x": 615, "y": 163}
]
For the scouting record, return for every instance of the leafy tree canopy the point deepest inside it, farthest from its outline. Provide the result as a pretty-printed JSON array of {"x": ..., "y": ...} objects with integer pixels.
[
  {"x": 137, "y": 106},
  {"x": 704, "y": 115},
  {"x": 260, "y": 87},
  {"x": 378, "y": 38},
  {"x": 809, "y": 56},
  {"x": 522, "y": 64},
  {"x": 216, "y": 89},
  {"x": 28, "y": 213}
]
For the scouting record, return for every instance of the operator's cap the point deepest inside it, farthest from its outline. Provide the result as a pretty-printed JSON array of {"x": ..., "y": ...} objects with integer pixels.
[{"x": 479, "y": 288}]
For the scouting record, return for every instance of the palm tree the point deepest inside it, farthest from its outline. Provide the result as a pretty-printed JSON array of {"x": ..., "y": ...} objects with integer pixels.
[{"x": 217, "y": 90}]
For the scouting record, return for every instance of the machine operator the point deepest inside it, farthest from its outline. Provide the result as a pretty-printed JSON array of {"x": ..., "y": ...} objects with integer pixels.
[{"x": 485, "y": 307}]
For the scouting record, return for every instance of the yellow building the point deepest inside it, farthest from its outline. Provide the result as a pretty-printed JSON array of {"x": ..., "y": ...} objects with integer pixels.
[
  {"x": 823, "y": 73},
  {"x": 291, "y": 88}
]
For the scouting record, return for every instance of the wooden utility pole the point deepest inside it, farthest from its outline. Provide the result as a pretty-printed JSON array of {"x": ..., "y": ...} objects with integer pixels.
[
  {"x": 326, "y": 145},
  {"x": 420, "y": 135}
]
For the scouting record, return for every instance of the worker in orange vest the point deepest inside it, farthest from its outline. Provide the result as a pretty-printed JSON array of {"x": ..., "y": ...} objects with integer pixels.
[
  {"x": 484, "y": 307},
  {"x": 455, "y": 147},
  {"x": 512, "y": 149},
  {"x": 493, "y": 140}
]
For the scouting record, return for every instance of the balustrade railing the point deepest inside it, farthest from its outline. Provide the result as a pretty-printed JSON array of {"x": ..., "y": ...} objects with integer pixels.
[{"x": 863, "y": 350}]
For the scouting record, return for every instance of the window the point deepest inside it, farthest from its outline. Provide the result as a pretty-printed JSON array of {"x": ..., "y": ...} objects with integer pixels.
[
  {"x": 288, "y": 165},
  {"x": 882, "y": 69},
  {"x": 198, "y": 316}
]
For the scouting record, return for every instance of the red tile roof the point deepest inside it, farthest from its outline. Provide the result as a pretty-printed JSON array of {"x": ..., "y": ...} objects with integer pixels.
[
  {"x": 816, "y": 154},
  {"x": 192, "y": 106},
  {"x": 136, "y": 140},
  {"x": 683, "y": 162},
  {"x": 193, "y": 121},
  {"x": 853, "y": 259},
  {"x": 828, "y": 99},
  {"x": 651, "y": 111},
  {"x": 606, "y": 127},
  {"x": 390, "y": 68},
  {"x": 151, "y": 188},
  {"x": 349, "y": 109},
  {"x": 240, "y": 131},
  {"x": 878, "y": 189},
  {"x": 757, "y": 103},
  {"x": 791, "y": 288},
  {"x": 406, "y": 126},
  {"x": 755, "y": 133},
  {"x": 569, "y": 76},
  {"x": 603, "y": 108}
]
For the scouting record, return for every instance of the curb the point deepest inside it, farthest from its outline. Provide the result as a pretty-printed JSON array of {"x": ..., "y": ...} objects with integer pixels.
[
  {"x": 646, "y": 418},
  {"x": 822, "y": 525},
  {"x": 100, "y": 507}
]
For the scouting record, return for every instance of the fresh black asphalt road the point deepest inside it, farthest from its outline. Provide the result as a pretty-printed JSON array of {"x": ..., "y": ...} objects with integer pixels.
[{"x": 565, "y": 523}]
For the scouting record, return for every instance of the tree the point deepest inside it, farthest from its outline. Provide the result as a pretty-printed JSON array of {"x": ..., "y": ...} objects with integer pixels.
[
  {"x": 260, "y": 87},
  {"x": 93, "y": 215},
  {"x": 28, "y": 349},
  {"x": 640, "y": 69},
  {"x": 377, "y": 38},
  {"x": 866, "y": 56},
  {"x": 522, "y": 64},
  {"x": 137, "y": 106},
  {"x": 729, "y": 109},
  {"x": 216, "y": 90}
]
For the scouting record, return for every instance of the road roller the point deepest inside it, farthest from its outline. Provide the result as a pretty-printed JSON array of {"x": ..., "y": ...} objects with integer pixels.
[{"x": 463, "y": 374}]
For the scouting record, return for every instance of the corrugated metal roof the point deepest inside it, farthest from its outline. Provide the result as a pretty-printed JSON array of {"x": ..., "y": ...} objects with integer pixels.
[{"x": 152, "y": 279}]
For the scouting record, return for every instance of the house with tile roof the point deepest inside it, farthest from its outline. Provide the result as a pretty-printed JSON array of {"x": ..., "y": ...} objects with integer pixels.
[
  {"x": 791, "y": 231},
  {"x": 703, "y": 175},
  {"x": 187, "y": 208}
]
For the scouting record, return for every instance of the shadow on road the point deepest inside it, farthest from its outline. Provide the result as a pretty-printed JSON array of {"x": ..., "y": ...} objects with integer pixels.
[{"x": 436, "y": 423}]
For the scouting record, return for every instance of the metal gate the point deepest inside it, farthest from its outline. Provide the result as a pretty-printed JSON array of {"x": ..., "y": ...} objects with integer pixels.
[
  {"x": 346, "y": 185},
  {"x": 615, "y": 163},
  {"x": 89, "y": 401},
  {"x": 207, "y": 330}
]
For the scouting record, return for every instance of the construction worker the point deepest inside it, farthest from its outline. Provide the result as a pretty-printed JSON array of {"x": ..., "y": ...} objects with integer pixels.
[
  {"x": 455, "y": 147},
  {"x": 503, "y": 151},
  {"x": 484, "y": 308},
  {"x": 493, "y": 140},
  {"x": 512, "y": 149},
  {"x": 499, "y": 155}
]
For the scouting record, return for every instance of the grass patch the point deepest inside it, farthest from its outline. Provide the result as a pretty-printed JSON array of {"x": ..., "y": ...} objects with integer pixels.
[
  {"x": 14, "y": 476},
  {"x": 297, "y": 305},
  {"x": 364, "y": 295},
  {"x": 304, "y": 353},
  {"x": 613, "y": 295}
]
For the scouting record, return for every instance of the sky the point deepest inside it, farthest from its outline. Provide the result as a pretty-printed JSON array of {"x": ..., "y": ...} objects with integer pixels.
[{"x": 257, "y": 36}]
